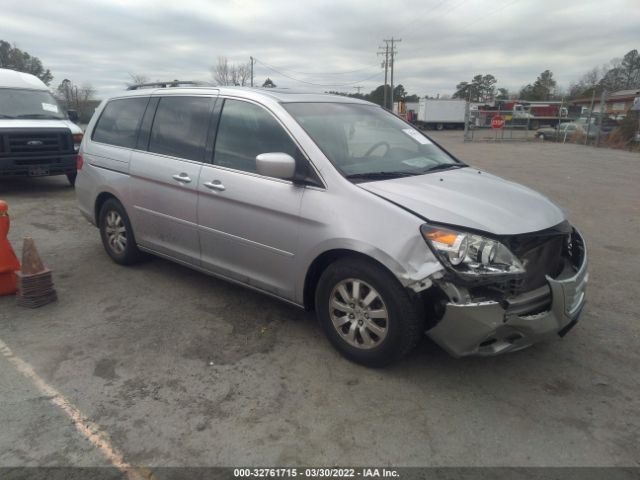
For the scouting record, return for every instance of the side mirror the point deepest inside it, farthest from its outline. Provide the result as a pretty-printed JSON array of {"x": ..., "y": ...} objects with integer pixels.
[
  {"x": 73, "y": 115},
  {"x": 277, "y": 165}
]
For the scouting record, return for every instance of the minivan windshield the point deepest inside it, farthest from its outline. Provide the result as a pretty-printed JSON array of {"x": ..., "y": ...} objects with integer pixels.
[
  {"x": 366, "y": 143},
  {"x": 23, "y": 103}
]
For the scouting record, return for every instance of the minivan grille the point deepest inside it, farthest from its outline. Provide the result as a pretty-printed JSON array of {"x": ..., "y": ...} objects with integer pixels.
[
  {"x": 35, "y": 142},
  {"x": 542, "y": 260}
]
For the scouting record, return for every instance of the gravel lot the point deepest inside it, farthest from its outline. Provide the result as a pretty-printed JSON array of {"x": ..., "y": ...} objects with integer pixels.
[{"x": 182, "y": 369}]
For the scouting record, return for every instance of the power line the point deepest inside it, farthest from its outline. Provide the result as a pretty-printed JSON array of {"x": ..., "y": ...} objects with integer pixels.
[
  {"x": 344, "y": 72},
  {"x": 465, "y": 26},
  {"x": 421, "y": 16},
  {"x": 499, "y": 9},
  {"x": 389, "y": 53},
  {"x": 477, "y": 20},
  {"x": 348, "y": 84}
]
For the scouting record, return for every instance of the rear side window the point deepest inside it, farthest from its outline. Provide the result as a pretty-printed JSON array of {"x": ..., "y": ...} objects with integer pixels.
[
  {"x": 180, "y": 127},
  {"x": 119, "y": 122},
  {"x": 245, "y": 131}
]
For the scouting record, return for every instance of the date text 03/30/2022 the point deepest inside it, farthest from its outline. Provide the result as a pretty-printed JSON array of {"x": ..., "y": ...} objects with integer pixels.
[{"x": 315, "y": 473}]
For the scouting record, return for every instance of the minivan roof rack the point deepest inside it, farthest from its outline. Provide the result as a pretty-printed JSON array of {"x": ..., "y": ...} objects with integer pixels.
[{"x": 172, "y": 83}]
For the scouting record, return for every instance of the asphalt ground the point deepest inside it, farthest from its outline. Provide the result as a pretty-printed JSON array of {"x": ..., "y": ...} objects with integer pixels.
[{"x": 169, "y": 367}]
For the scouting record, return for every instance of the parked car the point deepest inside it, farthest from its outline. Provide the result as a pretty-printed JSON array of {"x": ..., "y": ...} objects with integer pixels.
[
  {"x": 568, "y": 130},
  {"x": 335, "y": 205},
  {"x": 37, "y": 137}
]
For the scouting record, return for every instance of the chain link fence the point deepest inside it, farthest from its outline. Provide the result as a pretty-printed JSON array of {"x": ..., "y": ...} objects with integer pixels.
[{"x": 495, "y": 125}]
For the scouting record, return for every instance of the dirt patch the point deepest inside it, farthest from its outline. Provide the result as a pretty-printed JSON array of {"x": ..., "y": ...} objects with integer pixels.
[{"x": 106, "y": 369}]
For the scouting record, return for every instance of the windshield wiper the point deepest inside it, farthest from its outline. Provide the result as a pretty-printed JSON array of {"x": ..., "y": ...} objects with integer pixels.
[
  {"x": 444, "y": 166},
  {"x": 380, "y": 175},
  {"x": 39, "y": 115}
]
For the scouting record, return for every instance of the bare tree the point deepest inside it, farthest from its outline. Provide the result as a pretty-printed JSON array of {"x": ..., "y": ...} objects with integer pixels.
[
  {"x": 225, "y": 73},
  {"x": 86, "y": 93},
  {"x": 136, "y": 79},
  {"x": 79, "y": 98},
  {"x": 242, "y": 73},
  {"x": 67, "y": 92},
  {"x": 221, "y": 73}
]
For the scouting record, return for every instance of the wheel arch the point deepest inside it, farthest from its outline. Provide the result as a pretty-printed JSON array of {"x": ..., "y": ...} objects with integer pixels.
[
  {"x": 100, "y": 201},
  {"x": 320, "y": 264}
]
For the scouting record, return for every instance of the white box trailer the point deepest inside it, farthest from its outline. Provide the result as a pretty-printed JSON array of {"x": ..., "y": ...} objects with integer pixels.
[{"x": 441, "y": 114}]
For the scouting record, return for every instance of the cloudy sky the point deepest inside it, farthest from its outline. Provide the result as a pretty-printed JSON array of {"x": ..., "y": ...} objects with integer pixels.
[{"x": 330, "y": 44}]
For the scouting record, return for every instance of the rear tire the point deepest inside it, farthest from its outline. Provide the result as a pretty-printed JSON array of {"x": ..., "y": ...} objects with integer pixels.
[
  {"x": 117, "y": 235},
  {"x": 72, "y": 178},
  {"x": 377, "y": 323}
]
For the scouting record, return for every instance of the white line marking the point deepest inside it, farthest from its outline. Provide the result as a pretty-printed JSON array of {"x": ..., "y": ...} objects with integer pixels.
[{"x": 86, "y": 427}]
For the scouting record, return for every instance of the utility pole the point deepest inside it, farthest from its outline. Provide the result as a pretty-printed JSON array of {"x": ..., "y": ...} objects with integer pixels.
[
  {"x": 358, "y": 88},
  {"x": 392, "y": 52},
  {"x": 252, "y": 61},
  {"x": 603, "y": 111},
  {"x": 385, "y": 51},
  {"x": 593, "y": 98}
]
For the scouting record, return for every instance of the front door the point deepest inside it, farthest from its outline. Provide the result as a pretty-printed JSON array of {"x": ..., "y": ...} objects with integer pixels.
[{"x": 249, "y": 223}]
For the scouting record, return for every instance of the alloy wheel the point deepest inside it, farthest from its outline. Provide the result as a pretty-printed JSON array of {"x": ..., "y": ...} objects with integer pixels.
[
  {"x": 116, "y": 232},
  {"x": 358, "y": 313}
]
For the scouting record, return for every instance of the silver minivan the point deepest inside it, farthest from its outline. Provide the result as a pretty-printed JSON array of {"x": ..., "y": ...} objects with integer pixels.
[{"x": 336, "y": 205}]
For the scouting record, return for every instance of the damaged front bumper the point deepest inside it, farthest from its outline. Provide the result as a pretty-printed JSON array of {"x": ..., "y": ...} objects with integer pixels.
[{"x": 491, "y": 327}]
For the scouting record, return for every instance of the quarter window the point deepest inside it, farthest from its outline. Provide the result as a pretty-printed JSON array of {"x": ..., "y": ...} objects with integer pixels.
[
  {"x": 119, "y": 122},
  {"x": 245, "y": 131},
  {"x": 180, "y": 127}
]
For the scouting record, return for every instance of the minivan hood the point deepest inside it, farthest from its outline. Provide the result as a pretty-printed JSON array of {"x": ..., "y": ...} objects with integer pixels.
[
  {"x": 471, "y": 198},
  {"x": 38, "y": 123}
]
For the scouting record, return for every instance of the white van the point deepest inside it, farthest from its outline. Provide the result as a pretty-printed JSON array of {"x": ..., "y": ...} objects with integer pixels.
[{"x": 37, "y": 137}]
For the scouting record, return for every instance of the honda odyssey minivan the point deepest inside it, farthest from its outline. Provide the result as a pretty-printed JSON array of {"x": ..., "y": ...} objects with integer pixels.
[{"x": 335, "y": 205}]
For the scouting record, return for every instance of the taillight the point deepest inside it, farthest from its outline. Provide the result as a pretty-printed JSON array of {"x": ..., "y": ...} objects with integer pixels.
[
  {"x": 77, "y": 139},
  {"x": 79, "y": 162}
]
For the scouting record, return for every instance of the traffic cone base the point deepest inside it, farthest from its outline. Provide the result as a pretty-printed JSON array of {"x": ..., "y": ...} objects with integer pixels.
[
  {"x": 35, "y": 285},
  {"x": 8, "y": 284}
]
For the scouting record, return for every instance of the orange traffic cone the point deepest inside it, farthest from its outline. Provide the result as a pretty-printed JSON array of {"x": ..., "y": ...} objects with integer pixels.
[
  {"x": 9, "y": 264},
  {"x": 35, "y": 285}
]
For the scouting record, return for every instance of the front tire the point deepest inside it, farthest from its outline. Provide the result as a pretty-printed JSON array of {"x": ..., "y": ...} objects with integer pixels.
[
  {"x": 117, "y": 234},
  {"x": 367, "y": 315}
]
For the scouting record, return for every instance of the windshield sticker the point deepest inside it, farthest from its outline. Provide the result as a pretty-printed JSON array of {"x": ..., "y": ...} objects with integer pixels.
[
  {"x": 417, "y": 136},
  {"x": 49, "y": 107},
  {"x": 418, "y": 162}
]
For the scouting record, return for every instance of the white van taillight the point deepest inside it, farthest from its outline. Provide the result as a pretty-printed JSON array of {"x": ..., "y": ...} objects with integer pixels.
[
  {"x": 77, "y": 139},
  {"x": 79, "y": 162}
]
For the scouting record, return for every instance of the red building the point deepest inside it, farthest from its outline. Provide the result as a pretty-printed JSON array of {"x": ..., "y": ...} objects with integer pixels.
[{"x": 617, "y": 103}]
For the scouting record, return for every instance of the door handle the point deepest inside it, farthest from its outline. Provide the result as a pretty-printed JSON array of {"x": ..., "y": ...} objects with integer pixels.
[
  {"x": 183, "y": 178},
  {"x": 215, "y": 185}
]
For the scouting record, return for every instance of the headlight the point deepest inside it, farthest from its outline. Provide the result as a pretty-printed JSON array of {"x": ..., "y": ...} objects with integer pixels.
[{"x": 471, "y": 254}]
